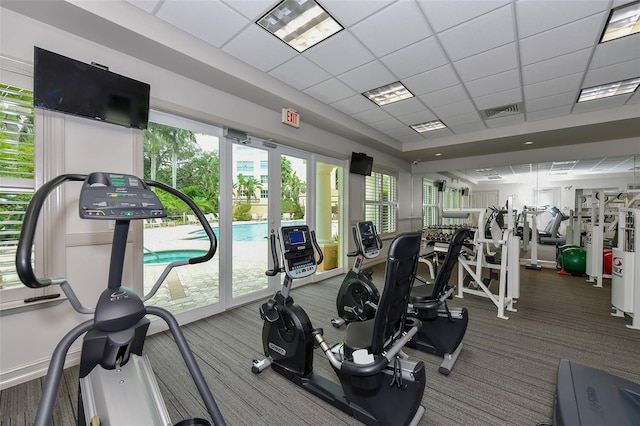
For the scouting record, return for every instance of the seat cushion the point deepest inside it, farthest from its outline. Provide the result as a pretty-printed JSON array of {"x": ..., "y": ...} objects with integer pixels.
[
  {"x": 358, "y": 336},
  {"x": 421, "y": 293}
]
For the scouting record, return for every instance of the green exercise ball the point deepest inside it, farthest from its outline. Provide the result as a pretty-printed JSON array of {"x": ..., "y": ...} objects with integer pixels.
[
  {"x": 560, "y": 250},
  {"x": 574, "y": 260}
]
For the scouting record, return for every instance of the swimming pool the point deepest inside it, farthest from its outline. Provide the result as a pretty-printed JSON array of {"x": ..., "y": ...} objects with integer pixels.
[
  {"x": 168, "y": 256},
  {"x": 256, "y": 231}
]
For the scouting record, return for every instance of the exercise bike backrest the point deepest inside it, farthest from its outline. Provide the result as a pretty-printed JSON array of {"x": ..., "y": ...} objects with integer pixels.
[
  {"x": 296, "y": 244},
  {"x": 107, "y": 196}
]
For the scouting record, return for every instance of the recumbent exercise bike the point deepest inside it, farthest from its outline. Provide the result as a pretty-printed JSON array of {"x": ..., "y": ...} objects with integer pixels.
[
  {"x": 117, "y": 385},
  {"x": 378, "y": 384},
  {"x": 358, "y": 296}
]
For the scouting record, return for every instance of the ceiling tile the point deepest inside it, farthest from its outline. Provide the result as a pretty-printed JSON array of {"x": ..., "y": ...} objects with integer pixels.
[
  {"x": 574, "y": 36},
  {"x": 300, "y": 73},
  {"x": 330, "y": 91},
  {"x": 251, "y": 9},
  {"x": 614, "y": 51},
  {"x": 434, "y": 134},
  {"x": 551, "y": 87},
  {"x": 380, "y": 32},
  {"x": 509, "y": 120},
  {"x": 481, "y": 34},
  {"x": 612, "y": 73},
  {"x": 213, "y": 22},
  {"x": 503, "y": 58},
  {"x": 390, "y": 123},
  {"x": 372, "y": 115},
  {"x": 400, "y": 132},
  {"x": 536, "y": 16},
  {"x": 431, "y": 81},
  {"x": 257, "y": 47},
  {"x": 445, "y": 14},
  {"x": 417, "y": 117},
  {"x": 339, "y": 53},
  {"x": 467, "y": 127},
  {"x": 494, "y": 83},
  {"x": 547, "y": 113},
  {"x": 146, "y": 5},
  {"x": 559, "y": 99},
  {"x": 444, "y": 97},
  {"x": 454, "y": 109},
  {"x": 404, "y": 107},
  {"x": 354, "y": 104},
  {"x": 556, "y": 67},
  {"x": 415, "y": 59},
  {"x": 367, "y": 77},
  {"x": 348, "y": 13},
  {"x": 460, "y": 119},
  {"x": 499, "y": 99}
]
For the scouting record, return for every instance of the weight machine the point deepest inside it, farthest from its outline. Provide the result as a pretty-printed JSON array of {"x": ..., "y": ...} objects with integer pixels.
[{"x": 508, "y": 263}]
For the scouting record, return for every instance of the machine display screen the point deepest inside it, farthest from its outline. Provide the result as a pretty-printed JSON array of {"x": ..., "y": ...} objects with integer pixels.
[
  {"x": 296, "y": 237},
  {"x": 366, "y": 229}
]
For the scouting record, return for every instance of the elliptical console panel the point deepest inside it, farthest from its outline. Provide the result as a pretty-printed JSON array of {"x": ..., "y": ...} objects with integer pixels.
[
  {"x": 118, "y": 196},
  {"x": 297, "y": 251},
  {"x": 368, "y": 237}
]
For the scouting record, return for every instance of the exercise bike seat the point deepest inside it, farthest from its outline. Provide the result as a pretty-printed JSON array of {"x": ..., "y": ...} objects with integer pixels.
[
  {"x": 428, "y": 296},
  {"x": 389, "y": 322}
]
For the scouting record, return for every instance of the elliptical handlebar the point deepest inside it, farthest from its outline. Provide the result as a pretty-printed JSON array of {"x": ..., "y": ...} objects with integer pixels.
[
  {"x": 24, "y": 266},
  {"x": 274, "y": 255},
  {"x": 316, "y": 246}
]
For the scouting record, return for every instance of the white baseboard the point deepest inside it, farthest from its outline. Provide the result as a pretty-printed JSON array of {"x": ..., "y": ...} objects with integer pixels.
[{"x": 25, "y": 373}]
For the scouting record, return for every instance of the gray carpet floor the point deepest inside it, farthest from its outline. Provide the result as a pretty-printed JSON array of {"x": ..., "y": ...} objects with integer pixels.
[{"x": 505, "y": 375}]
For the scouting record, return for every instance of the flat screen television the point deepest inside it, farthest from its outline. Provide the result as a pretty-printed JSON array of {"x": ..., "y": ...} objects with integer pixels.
[
  {"x": 361, "y": 164},
  {"x": 73, "y": 87}
]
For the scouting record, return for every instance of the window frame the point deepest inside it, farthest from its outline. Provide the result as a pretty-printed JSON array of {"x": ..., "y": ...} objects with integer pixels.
[
  {"x": 378, "y": 176},
  {"x": 429, "y": 205}
]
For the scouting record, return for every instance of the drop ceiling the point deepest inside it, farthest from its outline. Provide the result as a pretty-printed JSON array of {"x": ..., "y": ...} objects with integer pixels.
[{"x": 459, "y": 58}]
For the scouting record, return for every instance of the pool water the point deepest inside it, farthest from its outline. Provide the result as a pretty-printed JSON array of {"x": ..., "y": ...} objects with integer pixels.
[
  {"x": 168, "y": 256},
  {"x": 245, "y": 232}
]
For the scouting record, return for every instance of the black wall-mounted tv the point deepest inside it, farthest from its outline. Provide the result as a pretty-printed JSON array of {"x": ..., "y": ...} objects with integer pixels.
[
  {"x": 361, "y": 164},
  {"x": 73, "y": 87}
]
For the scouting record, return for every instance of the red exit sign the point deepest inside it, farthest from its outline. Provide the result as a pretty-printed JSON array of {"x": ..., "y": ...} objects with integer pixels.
[{"x": 291, "y": 117}]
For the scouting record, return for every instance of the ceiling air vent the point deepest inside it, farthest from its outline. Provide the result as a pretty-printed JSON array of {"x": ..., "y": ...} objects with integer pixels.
[{"x": 502, "y": 111}]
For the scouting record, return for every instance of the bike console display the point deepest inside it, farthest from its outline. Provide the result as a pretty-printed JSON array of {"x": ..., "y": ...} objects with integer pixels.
[
  {"x": 118, "y": 196},
  {"x": 368, "y": 238},
  {"x": 297, "y": 251}
]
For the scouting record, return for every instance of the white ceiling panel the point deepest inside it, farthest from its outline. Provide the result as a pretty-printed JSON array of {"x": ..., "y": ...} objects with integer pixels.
[
  {"x": 575, "y": 36},
  {"x": 444, "y": 14},
  {"x": 432, "y": 81},
  {"x": 458, "y": 57},
  {"x": 300, "y": 73},
  {"x": 339, "y": 53},
  {"x": 503, "y": 58},
  {"x": 415, "y": 59},
  {"x": 536, "y": 16},
  {"x": 331, "y": 91},
  {"x": 494, "y": 83},
  {"x": 380, "y": 32},
  {"x": 551, "y": 87},
  {"x": 368, "y": 76},
  {"x": 354, "y": 104},
  {"x": 570, "y": 63},
  {"x": 481, "y": 34},
  {"x": 258, "y": 48},
  {"x": 213, "y": 22}
]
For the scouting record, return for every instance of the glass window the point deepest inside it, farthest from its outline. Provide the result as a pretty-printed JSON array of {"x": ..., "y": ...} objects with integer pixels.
[
  {"x": 430, "y": 213},
  {"x": 264, "y": 165},
  {"x": 381, "y": 201},
  {"x": 244, "y": 166},
  {"x": 264, "y": 179},
  {"x": 264, "y": 193},
  {"x": 16, "y": 175}
]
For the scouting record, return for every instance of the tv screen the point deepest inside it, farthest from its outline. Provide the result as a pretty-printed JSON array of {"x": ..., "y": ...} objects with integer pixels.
[
  {"x": 73, "y": 87},
  {"x": 361, "y": 164}
]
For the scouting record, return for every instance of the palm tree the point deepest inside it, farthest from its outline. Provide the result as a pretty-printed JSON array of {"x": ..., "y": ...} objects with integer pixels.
[{"x": 249, "y": 185}]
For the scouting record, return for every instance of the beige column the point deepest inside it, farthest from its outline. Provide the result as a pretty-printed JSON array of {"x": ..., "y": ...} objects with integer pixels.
[{"x": 323, "y": 216}]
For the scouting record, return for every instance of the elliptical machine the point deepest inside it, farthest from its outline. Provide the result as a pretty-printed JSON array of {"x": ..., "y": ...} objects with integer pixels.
[
  {"x": 117, "y": 385},
  {"x": 358, "y": 296},
  {"x": 379, "y": 385}
]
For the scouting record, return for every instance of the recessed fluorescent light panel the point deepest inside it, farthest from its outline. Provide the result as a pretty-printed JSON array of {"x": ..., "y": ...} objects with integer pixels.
[
  {"x": 426, "y": 127},
  {"x": 623, "y": 21},
  {"x": 607, "y": 90},
  {"x": 388, "y": 94},
  {"x": 299, "y": 23}
]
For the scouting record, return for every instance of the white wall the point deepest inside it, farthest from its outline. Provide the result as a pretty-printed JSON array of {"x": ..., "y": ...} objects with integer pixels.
[{"x": 90, "y": 146}]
